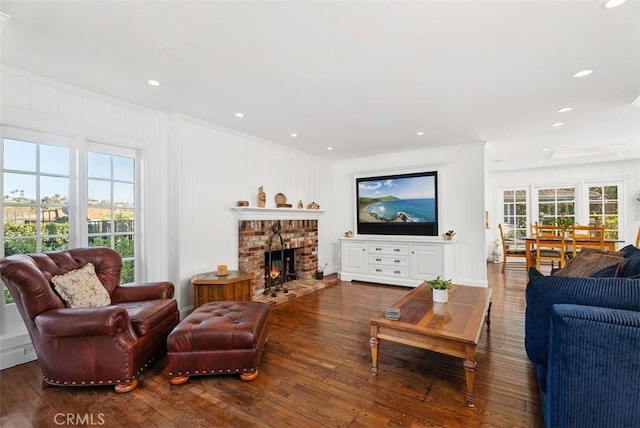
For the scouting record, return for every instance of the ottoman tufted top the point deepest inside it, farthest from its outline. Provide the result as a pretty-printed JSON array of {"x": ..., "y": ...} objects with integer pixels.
[{"x": 220, "y": 325}]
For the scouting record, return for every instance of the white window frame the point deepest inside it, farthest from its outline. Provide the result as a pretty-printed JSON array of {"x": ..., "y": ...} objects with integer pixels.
[
  {"x": 535, "y": 198},
  {"x": 527, "y": 192},
  {"x": 94, "y": 146},
  {"x": 78, "y": 151},
  {"x": 582, "y": 209}
]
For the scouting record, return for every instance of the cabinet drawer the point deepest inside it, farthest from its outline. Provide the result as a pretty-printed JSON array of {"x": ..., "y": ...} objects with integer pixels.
[
  {"x": 381, "y": 248},
  {"x": 391, "y": 271},
  {"x": 380, "y": 259}
]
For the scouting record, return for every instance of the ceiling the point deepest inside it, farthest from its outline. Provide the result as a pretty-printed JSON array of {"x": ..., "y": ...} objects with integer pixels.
[{"x": 362, "y": 77}]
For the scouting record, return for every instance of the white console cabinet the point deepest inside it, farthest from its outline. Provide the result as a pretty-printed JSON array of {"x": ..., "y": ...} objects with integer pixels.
[{"x": 397, "y": 260}]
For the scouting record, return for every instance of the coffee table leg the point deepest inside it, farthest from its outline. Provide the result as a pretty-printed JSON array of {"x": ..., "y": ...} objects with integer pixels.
[
  {"x": 470, "y": 370},
  {"x": 374, "y": 342}
]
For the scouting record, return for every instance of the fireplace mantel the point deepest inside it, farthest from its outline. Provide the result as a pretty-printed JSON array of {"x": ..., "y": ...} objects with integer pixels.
[{"x": 255, "y": 213}]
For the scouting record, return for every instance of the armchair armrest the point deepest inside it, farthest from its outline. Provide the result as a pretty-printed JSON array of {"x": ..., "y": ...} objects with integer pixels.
[
  {"x": 146, "y": 291},
  {"x": 593, "y": 372},
  {"x": 79, "y": 322}
]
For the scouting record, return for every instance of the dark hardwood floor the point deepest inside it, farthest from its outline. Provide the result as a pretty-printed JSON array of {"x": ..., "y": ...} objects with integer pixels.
[{"x": 315, "y": 372}]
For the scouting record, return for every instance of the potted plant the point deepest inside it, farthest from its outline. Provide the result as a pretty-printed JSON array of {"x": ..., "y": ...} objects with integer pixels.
[{"x": 440, "y": 289}]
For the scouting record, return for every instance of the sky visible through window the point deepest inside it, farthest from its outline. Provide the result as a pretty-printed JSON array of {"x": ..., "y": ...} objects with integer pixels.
[{"x": 21, "y": 156}]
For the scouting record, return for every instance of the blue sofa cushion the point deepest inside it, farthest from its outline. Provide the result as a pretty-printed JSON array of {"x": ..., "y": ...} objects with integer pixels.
[
  {"x": 593, "y": 368},
  {"x": 632, "y": 266},
  {"x": 608, "y": 272},
  {"x": 628, "y": 250},
  {"x": 544, "y": 291}
]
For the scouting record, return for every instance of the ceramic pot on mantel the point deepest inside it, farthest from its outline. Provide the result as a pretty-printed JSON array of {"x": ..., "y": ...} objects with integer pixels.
[{"x": 440, "y": 296}]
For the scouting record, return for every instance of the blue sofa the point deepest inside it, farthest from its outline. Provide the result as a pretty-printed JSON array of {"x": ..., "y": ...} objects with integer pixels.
[{"x": 583, "y": 335}]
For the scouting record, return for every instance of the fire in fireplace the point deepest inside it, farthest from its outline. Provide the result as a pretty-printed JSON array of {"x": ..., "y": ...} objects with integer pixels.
[{"x": 277, "y": 267}]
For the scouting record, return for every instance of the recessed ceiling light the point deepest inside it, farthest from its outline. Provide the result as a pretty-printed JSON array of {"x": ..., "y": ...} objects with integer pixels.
[
  {"x": 613, "y": 3},
  {"x": 329, "y": 148},
  {"x": 153, "y": 82},
  {"x": 545, "y": 150},
  {"x": 294, "y": 135},
  {"x": 420, "y": 133},
  {"x": 239, "y": 114},
  {"x": 564, "y": 109},
  {"x": 582, "y": 73},
  {"x": 558, "y": 124}
]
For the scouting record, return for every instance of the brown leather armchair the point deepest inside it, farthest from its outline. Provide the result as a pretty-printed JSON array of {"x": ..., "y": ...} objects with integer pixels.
[{"x": 104, "y": 345}]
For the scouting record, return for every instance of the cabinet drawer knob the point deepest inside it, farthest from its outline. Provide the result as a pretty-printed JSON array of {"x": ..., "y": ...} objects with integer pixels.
[
  {"x": 378, "y": 270},
  {"x": 378, "y": 249},
  {"x": 396, "y": 272},
  {"x": 378, "y": 259},
  {"x": 397, "y": 250},
  {"x": 397, "y": 261}
]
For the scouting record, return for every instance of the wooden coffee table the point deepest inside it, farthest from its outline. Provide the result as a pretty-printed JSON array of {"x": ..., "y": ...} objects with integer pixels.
[{"x": 451, "y": 328}]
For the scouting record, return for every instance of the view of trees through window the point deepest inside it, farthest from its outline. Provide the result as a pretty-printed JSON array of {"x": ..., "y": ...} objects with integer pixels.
[
  {"x": 111, "y": 207},
  {"x": 36, "y": 203},
  {"x": 557, "y": 206},
  {"x": 603, "y": 209},
  {"x": 514, "y": 221}
]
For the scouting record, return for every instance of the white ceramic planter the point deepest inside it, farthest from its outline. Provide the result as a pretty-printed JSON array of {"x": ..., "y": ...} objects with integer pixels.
[{"x": 440, "y": 296}]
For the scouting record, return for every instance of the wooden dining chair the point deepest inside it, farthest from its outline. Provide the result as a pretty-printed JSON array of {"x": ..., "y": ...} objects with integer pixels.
[
  {"x": 551, "y": 245},
  {"x": 509, "y": 250},
  {"x": 586, "y": 237}
]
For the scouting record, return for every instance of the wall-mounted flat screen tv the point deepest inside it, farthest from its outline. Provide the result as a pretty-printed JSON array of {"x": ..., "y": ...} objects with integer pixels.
[{"x": 400, "y": 204}]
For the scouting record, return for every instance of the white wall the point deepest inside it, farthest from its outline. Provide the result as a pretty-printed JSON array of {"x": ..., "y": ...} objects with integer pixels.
[
  {"x": 460, "y": 197},
  {"x": 626, "y": 172},
  {"x": 212, "y": 168}
]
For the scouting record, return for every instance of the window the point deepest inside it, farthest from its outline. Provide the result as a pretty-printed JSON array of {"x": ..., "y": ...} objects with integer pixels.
[
  {"x": 43, "y": 211},
  {"x": 603, "y": 209},
  {"x": 557, "y": 206},
  {"x": 36, "y": 201},
  {"x": 36, "y": 198},
  {"x": 111, "y": 207},
  {"x": 514, "y": 222}
]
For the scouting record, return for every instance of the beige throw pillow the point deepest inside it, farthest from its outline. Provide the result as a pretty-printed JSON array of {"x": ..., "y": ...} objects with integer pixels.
[{"x": 81, "y": 288}]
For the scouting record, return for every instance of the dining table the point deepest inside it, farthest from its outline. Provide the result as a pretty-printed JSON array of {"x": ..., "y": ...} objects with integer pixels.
[{"x": 530, "y": 243}]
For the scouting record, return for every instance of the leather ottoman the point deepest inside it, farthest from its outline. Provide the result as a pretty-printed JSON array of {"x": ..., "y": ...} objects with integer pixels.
[{"x": 218, "y": 338}]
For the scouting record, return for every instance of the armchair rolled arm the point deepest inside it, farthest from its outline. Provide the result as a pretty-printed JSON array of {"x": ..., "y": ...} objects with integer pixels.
[
  {"x": 146, "y": 291},
  {"x": 78, "y": 322}
]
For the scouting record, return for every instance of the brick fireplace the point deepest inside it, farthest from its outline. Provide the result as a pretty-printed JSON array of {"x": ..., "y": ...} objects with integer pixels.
[{"x": 253, "y": 242}]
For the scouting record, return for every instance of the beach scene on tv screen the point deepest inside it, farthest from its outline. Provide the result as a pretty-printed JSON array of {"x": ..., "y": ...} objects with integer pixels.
[{"x": 397, "y": 200}]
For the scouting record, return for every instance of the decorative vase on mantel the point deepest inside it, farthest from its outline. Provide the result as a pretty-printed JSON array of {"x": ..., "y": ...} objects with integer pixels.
[{"x": 440, "y": 296}]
